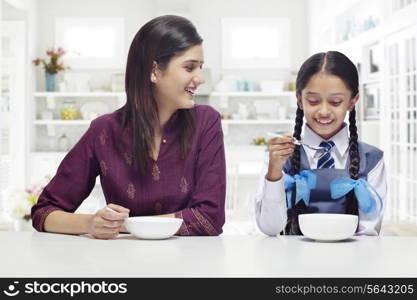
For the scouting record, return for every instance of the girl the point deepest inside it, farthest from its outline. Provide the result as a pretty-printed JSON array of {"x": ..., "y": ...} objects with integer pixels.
[
  {"x": 158, "y": 155},
  {"x": 331, "y": 171}
]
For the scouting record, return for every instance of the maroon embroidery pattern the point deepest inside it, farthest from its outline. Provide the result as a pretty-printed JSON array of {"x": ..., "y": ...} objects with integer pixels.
[
  {"x": 155, "y": 172},
  {"x": 128, "y": 158},
  {"x": 103, "y": 137},
  {"x": 131, "y": 191},
  {"x": 184, "y": 185},
  {"x": 103, "y": 167},
  {"x": 204, "y": 222},
  {"x": 183, "y": 229}
]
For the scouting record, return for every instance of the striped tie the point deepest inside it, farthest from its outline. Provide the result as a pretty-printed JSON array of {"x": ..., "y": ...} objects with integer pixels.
[{"x": 326, "y": 160}]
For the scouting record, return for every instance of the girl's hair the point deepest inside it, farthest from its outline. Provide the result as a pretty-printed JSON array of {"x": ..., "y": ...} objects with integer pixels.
[
  {"x": 157, "y": 41},
  {"x": 333, "y": 63}
]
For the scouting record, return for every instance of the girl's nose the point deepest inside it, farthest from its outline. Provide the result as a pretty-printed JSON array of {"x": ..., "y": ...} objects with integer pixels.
[{"x": 324, "y": 110}]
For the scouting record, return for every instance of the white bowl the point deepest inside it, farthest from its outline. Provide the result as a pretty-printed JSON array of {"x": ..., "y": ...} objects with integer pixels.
[
  {"x": 328, "y": 227},
  {"x": 154, "y": 228}
]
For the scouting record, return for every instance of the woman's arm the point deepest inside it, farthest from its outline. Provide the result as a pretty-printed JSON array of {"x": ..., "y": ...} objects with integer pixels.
[
  {"x": 205, "y": 212},
  {"x": 73, "y": 182}
]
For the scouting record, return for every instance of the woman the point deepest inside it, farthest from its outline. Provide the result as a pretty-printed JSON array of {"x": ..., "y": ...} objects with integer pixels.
[{"x": 160, "y": 154}]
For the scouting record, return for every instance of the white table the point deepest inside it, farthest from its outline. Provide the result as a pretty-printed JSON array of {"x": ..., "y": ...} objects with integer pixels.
[{"x": 34, "y": 254}]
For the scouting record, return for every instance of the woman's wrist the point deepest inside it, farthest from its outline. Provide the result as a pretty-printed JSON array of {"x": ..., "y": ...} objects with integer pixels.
[{"x": 68, "y": 223}]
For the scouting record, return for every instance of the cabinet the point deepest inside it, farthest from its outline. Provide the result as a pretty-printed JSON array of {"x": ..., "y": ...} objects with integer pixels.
[
  {"x": 46, "y": 149},
  {"x": 250, "y": 115},
  {"x": 246, "y": 116},
  {"x": 12, "y": 105},
  {"x": 48, "y": 125},
  {"x": 400, "y": 88}
]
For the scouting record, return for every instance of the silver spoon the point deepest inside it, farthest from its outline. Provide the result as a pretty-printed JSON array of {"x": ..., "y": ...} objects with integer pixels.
[{"x": 297, "y": 142}]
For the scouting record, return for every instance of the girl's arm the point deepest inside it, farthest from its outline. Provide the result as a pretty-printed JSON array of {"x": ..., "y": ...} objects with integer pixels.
[
  {"x": 271, "y": 206},
  {"x": 370, "y": 224}
]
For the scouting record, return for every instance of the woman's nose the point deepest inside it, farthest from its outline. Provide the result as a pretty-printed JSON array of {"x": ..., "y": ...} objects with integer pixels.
[{"x": 199, "y": 77}]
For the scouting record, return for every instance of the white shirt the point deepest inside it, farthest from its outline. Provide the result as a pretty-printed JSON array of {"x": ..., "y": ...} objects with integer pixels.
[{"x": 271, "y": 204}]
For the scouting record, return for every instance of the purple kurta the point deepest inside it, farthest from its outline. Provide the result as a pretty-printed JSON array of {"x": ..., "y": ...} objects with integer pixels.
[{"x": 193, "y": 188}]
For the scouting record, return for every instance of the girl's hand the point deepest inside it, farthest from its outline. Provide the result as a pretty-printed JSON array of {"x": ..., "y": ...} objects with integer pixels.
[
  {"x": 280, "y": 149},
  {"x": 106, "y": 224}
]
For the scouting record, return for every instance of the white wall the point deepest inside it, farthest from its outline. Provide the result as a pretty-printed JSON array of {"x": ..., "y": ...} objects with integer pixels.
[
  {"x": 206, "y": 15},
  {"x": 135, "y": 14},
  {"x": 322, "y": 16}
]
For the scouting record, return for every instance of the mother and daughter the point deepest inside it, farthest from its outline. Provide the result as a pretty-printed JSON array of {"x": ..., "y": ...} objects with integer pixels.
[{"x": 160, "y": 154}]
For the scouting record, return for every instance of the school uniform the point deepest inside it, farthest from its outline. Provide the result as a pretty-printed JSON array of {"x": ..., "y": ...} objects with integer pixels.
[{"x": 273, "y": 198}]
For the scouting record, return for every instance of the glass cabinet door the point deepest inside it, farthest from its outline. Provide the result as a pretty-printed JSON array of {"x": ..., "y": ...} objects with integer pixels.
[
  {"x": 12, "y": 105},
  {"x": 401, "y": 107}
]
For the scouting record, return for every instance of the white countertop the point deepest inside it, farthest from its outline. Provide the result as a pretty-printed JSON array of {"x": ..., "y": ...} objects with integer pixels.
[{"x": 34, "y": 254}]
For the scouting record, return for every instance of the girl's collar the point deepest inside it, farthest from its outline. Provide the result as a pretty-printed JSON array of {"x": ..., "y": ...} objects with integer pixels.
[{"x": 340, "y": 139}]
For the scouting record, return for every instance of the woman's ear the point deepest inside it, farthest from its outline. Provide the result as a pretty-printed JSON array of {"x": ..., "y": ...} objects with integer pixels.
[
  {"x": 353, "y": 102},
  {"x": 153, "y": 72},
  {"x": 299, "y": 102}
]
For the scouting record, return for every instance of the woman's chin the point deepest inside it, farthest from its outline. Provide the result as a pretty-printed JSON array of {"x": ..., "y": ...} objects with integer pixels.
[{"x": 188, "y": 105}]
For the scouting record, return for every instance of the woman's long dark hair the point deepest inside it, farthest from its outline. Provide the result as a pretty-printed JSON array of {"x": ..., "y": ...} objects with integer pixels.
[
  {"x": 157, "y": 41},
  {"x": 333, "y": 63}
]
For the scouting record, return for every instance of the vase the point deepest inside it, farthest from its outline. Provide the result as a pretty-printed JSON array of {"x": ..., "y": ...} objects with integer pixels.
[{"x": 50, "y": 82}]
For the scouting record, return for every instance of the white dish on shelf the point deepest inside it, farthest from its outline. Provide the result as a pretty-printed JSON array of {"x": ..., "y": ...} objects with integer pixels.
[{"x": 92, "y": 110}]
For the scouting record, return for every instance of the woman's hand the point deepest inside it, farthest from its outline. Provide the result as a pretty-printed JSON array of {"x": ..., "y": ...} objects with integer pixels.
[
  {"x": 106, "y": 224},
  {"x": 280, "y": 149}
]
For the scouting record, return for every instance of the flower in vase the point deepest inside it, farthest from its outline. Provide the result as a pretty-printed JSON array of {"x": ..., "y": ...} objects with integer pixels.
[{"x": 52, "y": 66}]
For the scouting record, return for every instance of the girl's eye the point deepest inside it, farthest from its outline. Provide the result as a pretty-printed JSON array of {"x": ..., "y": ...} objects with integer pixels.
[
  {"x": 312, "y": 101},
  {"x": 189, "y": 68},
  {"x": 336, "y": 102}
]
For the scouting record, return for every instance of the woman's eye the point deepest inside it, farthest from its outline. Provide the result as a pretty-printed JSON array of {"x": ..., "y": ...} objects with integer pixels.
[{"x": 189, "y": 68}]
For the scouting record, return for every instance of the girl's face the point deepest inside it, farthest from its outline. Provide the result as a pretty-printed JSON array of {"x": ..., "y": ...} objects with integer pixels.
[
  {"x": 174, "y": 87},
  {"x": 325, "y": 101}
]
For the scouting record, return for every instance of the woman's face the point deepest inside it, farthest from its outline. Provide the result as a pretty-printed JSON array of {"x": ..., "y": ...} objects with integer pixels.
[
  {"x": 174, "y": 87},
  {"x": 325, "y": 101}
]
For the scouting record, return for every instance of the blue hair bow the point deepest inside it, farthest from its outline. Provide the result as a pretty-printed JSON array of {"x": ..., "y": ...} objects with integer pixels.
[
  {"x": 341, "y": 186},
  {"x": 304, "y": 182}
]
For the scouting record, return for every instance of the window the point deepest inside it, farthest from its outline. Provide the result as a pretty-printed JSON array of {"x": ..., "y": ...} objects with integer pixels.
[
  {"x": 91, "y": 42},
  {"x": 255, "y": 43}
]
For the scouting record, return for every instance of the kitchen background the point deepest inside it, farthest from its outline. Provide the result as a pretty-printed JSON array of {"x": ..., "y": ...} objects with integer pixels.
[{"x": 253, "y": 49}]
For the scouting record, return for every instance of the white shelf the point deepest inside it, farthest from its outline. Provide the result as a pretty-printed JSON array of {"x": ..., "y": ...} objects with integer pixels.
[
  {"x": 253, "y": 94},
  {"x": 257, "y": 122},
  {"x": 76, "y": 94},
  {"x": 62, "y": 122}
]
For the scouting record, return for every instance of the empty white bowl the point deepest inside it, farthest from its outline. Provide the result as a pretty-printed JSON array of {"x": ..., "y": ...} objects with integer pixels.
[
  {"x": 154, "y": 228},
  {"x": 328, "y": 227}
]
